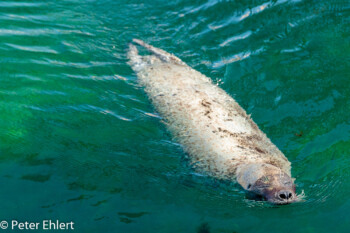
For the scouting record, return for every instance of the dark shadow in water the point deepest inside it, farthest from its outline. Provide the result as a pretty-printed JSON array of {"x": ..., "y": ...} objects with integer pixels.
[{"x": 203, "y": 228}]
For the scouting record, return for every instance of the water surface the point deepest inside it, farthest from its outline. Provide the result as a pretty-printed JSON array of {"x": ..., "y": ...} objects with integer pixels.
[{"x": 79, "y": 140}]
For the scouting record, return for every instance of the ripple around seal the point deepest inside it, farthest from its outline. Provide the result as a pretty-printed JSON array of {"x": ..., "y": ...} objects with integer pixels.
[{"x": 75, "y": 123}]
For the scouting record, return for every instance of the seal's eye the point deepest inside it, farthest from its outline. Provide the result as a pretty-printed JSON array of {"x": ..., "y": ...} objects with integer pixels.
[{"x": 264, "y": 186}]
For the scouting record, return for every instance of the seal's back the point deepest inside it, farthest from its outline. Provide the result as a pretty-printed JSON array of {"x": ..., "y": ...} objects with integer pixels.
[{"x": 214, "y": 130}]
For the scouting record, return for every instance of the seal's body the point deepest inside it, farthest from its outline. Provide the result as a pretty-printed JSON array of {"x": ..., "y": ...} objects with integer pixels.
[{"x": 220, "y": 138}]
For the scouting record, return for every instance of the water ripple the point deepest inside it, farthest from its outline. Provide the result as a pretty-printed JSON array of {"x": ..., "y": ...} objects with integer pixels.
[
  {"x": 37, "y": 49},
  {"x": 247, "y": 13},
  {"x": 25, "y": 17},
  {"x": 235, "y": 38},
  {"x": 322, "y": 142},
  {"x": 236, "y": 57},
  {"x": 21, "y": 4},
  {"x": 40, "y": 32}
]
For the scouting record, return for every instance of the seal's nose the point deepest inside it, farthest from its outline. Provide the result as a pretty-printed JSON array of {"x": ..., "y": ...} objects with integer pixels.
[{"x": 285, "y": 194}]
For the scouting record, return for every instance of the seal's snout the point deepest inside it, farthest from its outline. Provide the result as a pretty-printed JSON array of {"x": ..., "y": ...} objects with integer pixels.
[
  {"x": 282, "y": 197},
  {"x": 273, "y": 185},
  {"x": 285, "y": 195}
]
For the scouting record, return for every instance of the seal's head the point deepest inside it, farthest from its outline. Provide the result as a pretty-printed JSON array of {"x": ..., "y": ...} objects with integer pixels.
[
  {"x": 275, "y": 188},
  {"x": 268, "y": 182}
]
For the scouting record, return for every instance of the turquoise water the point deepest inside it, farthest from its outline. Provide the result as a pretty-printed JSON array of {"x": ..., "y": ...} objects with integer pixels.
[{"x": 79, "y": 140}]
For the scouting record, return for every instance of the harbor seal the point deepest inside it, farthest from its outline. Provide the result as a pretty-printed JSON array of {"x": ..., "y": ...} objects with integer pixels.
[{"x": 217, "y": 134}]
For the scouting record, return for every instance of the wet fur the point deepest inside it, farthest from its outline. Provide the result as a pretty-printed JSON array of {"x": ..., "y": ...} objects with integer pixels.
[{"x": 218, "y": 135}]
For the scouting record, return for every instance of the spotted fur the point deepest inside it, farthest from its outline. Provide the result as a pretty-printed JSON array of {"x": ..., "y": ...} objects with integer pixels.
[{"x": 217, "y": 134}]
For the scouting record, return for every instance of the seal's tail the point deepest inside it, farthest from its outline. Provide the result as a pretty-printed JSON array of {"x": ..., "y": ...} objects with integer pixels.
[
  {"x": 135, "y": 60},
  {"x": 159, "y": 53}
]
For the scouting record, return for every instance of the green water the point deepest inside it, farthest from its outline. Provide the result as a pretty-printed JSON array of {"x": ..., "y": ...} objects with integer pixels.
[{"x": 79, "y": 140}]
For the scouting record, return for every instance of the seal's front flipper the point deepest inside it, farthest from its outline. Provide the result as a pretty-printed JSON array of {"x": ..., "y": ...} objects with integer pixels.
[{"x": 161, "y": 54}]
